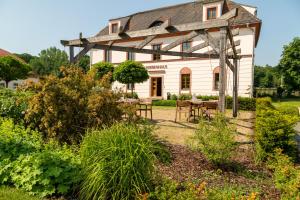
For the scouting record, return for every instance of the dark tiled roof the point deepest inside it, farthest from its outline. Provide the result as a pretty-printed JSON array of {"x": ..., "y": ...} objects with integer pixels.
[{"x": 180, "y": 14}]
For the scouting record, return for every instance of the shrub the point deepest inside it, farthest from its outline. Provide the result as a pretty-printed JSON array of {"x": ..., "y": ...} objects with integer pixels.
[
  {"x": 171, "y": 103},
  {"x": 64, "y": 107},
  {"x": 99, "y": 70},
  {"x": 15, "y": 140},
  {"x": 13, "y": 104},
  {"x": 286, "y": 175},
  {"x": 117, "y": 162},
  {"x": 170, "y": 190},
  {"x": 55, "y": 170},
  {"x": 273, "y": 130},
  {"x": 263, "y": 104},
  {"x": 174, "y": 97},
  {"x": 102, "y": 108},
  {"x": 215, "y": 139},
  {"x": 134, "y": 95},
  {"x": 185, "y": 97}
]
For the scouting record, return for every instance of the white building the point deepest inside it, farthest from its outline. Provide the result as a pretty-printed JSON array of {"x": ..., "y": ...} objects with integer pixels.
[{"x": 177, "y": 75}]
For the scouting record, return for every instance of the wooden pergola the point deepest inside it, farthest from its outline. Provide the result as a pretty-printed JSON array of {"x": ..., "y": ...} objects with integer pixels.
[{"x": 223, "y": 47}]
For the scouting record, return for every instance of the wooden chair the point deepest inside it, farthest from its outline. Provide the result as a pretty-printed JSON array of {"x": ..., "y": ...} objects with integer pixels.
[
  {"x": 145, "y": 105},
  {"x": 184, "y": 107},
  {"x": 210, "y": 106}
]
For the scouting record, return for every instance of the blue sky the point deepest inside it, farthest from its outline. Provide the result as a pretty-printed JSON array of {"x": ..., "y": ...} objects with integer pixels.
[{"x": 32, "y": 25}]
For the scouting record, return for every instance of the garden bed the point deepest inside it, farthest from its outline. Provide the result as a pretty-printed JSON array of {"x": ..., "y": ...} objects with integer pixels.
[{"x": 242, "y": 174}]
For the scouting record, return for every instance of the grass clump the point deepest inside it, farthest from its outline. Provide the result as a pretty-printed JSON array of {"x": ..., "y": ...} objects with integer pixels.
[
  {"x": 215, "y": 139},
  {"x": 118, "y": 162},
  {"x": 8, "y": 193}
]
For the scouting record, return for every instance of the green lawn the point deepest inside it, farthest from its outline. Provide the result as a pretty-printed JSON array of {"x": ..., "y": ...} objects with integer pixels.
[
  {"x": 7, "y": 193},
  {"x": 288, "y": 103}
]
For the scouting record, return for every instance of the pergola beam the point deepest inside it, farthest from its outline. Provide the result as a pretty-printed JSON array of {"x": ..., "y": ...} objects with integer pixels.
[
  {"x": 151, "y": 31},
  {"x": 198, "y": 47},
  {"x": 151, "y": 51},
  {"x": 230, "y": 37},
  {"x": 82, "y": 53},
  {"x": 181, "y": 40},
  {"x": 146, "y": 41}
]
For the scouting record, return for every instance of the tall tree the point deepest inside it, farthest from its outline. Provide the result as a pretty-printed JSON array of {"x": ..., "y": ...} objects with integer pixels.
[
  {"x": 266, "y": 76},
  {"x": 49, "y": 61},
  {"x": 26, "y": 57},
  {"x": 12, "y": 69},
  {"x": 131, "y": 72},
  {"x": 289, "y": 65}
]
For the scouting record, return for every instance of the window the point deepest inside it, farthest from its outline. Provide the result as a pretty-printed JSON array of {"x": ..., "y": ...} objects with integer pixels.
[
  {"x": 186, "y": 46},
  {"x": 156, "y": 24},
  {"x": 114, "y": 28},
  {"x": 211, "y": 13},
  {"x": 185, "y": 81},
  {"x": 107, "y": 56},
  {"x": 130, "y": 56},
  {"x": 130, "y": 86},
  {"x": 216, "y": 77},
  {"x": 156, "y": 56},
  {"x": 185, "y": 78}
]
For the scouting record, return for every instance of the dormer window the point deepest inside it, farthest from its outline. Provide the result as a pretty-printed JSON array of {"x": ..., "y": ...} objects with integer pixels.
[
  {"x": 211, "y": 13},
  {"x": 114, "y": 28}
]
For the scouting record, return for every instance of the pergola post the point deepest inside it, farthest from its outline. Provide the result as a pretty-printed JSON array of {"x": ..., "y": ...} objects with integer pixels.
[
  {"x": 235, "y": 88},
  {"x": 222, "y": 86},
  {"x": 72, "y": 58}
]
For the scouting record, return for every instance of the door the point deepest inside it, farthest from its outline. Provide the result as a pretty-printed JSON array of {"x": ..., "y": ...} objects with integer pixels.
[{"x": 156, "y": 86}]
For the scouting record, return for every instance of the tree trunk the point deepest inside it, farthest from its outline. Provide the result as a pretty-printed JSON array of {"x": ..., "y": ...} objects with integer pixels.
[
  {"x": 131, "y": 90},
  {"x": 6, "y": 83}
]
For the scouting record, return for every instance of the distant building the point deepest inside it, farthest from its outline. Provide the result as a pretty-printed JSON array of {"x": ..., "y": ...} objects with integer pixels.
[{"x": 15, "y": 83}]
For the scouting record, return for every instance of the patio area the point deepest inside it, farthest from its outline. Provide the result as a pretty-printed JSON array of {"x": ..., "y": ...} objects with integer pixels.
[{"x": 179, "y": 132}]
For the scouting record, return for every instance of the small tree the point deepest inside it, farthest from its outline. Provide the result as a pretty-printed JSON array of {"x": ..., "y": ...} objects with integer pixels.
[
  {"x": 131, "y": 72},
  {"x": 12, "y": 69},
  {"x": 49, "y": 61},
  {"x": 101, "y": 69},
  {"x": 84, "y": 63}
]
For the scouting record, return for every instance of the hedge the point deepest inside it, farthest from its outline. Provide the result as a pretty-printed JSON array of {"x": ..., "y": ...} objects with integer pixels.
[{"x": 244, "y": 102}]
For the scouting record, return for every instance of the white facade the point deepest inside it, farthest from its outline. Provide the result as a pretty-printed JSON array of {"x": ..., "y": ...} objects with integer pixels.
[
  {"x": 166, "y": 73},
  {"x": 15, "y": 83},
  {"x": 201, "y": 69}
]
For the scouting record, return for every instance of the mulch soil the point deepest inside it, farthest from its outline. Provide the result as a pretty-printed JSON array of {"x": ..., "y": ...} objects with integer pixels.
[{"x": 189, "y": 165}]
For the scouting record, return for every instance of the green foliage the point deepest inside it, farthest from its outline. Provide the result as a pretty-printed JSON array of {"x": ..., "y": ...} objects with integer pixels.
[
  {"x": 215, "y": 139},
  {"x": 8, "y": 193},
  {"x": 232, "y": 192},
  {"x": 133, "y": 95},
  {"x": 49, "y": 61},
  {"x": 289, "y": 65},
  {"x": 286, "y": 175},
  {"x": 15, "y": 140},
  {"x": 64, "y": 107},
  {"x": 102, "y": 68},
  {"x": 84, "y": 63},
  {"x": 170, "y": 190},
  {"x": 118, "y": 162},
  {"x": 13, "y": 104},
  {"x": 185, "y": 97},
  {"x": 12, "y": 69},
  {"x": 266, "y": 77},
  {"x": 273, "y": 130},
  {"x": 164, "y": 103},
  {"x": 131, "y": 72},
  {"x": 245, "y": 103},
  {"x": 54, "y": 170},
  {"x": 26, "y": 57},
  {"x": 27, "y": 163}
]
